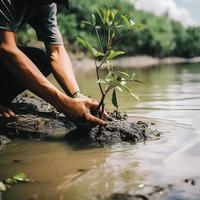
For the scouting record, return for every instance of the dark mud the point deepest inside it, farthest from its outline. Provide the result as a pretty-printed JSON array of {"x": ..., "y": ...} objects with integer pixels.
[
  {"x": 119, "y": 129},
  {"x": 36, "y": 118}
]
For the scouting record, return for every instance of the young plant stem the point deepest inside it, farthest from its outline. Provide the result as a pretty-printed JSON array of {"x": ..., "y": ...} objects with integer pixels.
[
  {"x": 101, "y": 105},
  {"x": 98, "y": 77},
  {"x": 99, "y": 40},
  {"x": 109, "y": 36},
  {"x": 102, "y": 110}
]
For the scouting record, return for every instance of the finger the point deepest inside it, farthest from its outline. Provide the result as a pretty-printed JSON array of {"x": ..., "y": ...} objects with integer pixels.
[
  {"x": 95, "y": 120},
  {"x": 93, "y": 104},
  {"x": 5, "y": 114},
  {"x": 10, "y": 112}
]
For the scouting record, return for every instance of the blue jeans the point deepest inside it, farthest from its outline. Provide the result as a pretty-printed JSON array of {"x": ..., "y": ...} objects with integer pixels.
[{"x": 10, "y": 87}]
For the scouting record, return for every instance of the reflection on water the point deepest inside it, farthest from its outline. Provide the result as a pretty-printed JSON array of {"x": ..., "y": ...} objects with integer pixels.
[{"x": 170, "y": 98}]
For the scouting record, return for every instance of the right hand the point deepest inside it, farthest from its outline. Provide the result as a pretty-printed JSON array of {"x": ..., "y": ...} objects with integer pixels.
[{"x": 80, "y": 108}]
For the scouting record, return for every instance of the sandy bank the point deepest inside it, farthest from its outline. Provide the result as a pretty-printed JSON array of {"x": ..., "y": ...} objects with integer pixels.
[{"x": 81, "y": 62}]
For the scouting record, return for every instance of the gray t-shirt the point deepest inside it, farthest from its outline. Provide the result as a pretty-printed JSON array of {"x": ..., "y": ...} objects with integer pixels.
[{"x": 14, "y": 13}]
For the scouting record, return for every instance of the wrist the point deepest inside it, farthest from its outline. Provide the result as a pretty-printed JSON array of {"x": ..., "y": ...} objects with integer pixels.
[
  {"x": 61, "y": 101},
  {"x": 76, "y": 94}
]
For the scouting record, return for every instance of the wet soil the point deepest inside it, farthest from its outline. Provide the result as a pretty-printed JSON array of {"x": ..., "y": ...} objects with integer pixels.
[
  {"x": 119, "y": 129},
  {"x": 36, "y": 118}
]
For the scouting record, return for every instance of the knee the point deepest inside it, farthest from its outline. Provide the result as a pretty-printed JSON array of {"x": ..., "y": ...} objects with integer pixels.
[{"x": 39, "y": 58}]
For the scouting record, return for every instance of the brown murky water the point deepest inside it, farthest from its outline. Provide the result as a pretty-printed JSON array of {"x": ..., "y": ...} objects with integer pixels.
[{"x": 170, "y": 97}]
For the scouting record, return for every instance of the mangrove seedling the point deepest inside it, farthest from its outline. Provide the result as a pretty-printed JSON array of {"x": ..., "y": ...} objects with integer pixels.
[{"x": 106, "y": 23}]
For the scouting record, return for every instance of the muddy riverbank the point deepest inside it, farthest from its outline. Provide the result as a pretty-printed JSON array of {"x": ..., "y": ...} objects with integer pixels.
[{"x": 35, "y": 118}]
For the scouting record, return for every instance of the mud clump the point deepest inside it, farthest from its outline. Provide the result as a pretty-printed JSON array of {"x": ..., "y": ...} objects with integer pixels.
[
  {"x": 35, "y": 118},
  {"x": 119, "y": 129}
]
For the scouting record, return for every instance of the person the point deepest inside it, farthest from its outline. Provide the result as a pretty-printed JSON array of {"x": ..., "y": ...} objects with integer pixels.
[{"x": 24, "y": 68}]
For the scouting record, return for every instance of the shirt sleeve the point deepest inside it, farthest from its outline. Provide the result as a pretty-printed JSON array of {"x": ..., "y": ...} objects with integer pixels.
[
  {"x": 45, "y": 25},
  {"x": 7, "y": 16}
]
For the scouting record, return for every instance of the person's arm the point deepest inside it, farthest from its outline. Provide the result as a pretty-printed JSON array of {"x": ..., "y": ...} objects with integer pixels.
[
  {"x": 24, "y": 70},
  {"x": 27, "y": 73},
  {"x": 62, "y": 68}
]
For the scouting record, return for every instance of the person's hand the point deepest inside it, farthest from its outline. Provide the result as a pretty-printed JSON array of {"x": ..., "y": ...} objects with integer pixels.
[
  {"x": 80, "y": 109},
  {"x": 6, "y": 112},
  {"x": 105, "y": 114}
]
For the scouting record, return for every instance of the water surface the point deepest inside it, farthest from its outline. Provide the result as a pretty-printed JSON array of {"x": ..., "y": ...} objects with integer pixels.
[{"x": 170, "y": 97}]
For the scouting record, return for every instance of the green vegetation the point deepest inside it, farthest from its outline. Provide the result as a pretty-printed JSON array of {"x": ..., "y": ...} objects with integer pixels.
[
  {"x": 17, "y": 178},
  {"x": 106, "y": 24},
  {"x": 159, "y": 36}
]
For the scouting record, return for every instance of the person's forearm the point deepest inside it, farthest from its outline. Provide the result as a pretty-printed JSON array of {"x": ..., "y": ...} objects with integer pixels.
[
  {"x": 29, "y": 75},
  {"x": 62, "y": 68}
]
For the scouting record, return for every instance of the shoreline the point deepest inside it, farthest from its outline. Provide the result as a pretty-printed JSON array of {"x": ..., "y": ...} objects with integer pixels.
[{"x": 84, "y": 63}]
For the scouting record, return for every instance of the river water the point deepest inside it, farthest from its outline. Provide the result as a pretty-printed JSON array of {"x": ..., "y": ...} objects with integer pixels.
[{"x": 169, "y": 97}]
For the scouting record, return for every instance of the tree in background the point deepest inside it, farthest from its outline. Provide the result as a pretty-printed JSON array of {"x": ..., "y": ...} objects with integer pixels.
[{"x": 158, "y": 36}]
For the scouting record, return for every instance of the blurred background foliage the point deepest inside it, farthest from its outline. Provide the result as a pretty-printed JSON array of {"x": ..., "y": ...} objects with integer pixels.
[{"x": 158, "y": 36}]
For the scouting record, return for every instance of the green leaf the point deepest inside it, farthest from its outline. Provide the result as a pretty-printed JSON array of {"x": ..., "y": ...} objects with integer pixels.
[
  {"x": 19, "y": 177},
  {"x": 125, "y": 19},
  {"x": 123, "y": 82},
  {"x": 127, "y": 88},
  {"x": 114, "y": 99},
  {"x": 135, "y": 96},
  {"x": 130, "y": 91},
  {"x": 113, "y": 15},
  {"x": 104, "y": 16},
  {"x": 132, "y": 76},
  {"x": 98, "y": 53},
  {"x": 132, "y": 23},
  {"x": 86, "y": 22},
  {"x": 93, "y": 19},
  {"x": 2, "y": 187},
  {"x": 109, "y": 77},
  {"x": 139, "y": 81},
  {"x": 120, "y": 89},
  {"x": 119, "y": 26},
  {"x": 101, "y": 81},
  {"x": 107, "y": 16},
  {"x": 123, "y": 73},
  {"x": 86, "y": 44},
  {"x": 114, "y": 54},
  {"x": 128, "y": 22},
  {"x": 100, "y": 15},
  {"x": 10, "y": 181}
]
